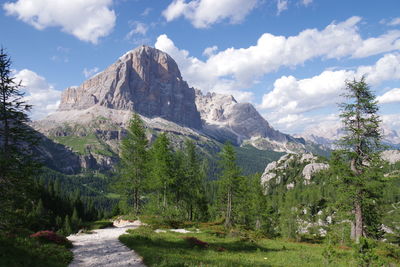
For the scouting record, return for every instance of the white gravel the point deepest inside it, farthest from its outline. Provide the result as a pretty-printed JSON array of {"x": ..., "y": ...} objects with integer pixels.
[{"x": 102, "y": 248}]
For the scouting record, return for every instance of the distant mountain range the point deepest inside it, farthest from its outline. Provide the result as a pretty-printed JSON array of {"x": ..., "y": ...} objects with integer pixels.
[{"x": 328, "y": 135}]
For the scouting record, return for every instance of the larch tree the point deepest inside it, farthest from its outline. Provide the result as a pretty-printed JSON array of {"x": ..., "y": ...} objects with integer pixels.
[
  {"x": 360, "y": 145},
  {"x": 17, "y": 140},
  {"x": 229, "y": 183},
  {"x": 193, "y": 183},
  {"x": 162, "y": 173},
  {"x": 133, "y": 168}
]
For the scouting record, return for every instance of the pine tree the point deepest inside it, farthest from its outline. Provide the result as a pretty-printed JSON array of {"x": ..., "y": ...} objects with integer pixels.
[
  {"x": 133, "y": 169},
  {"x": 16, "y": 142},
  {"x": 229, "y": 183},
  {"x": 360, "y": 176}
]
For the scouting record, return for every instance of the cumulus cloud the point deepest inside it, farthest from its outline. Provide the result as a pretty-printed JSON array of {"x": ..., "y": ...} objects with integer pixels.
[
  {"x": 237, "y": 69},
  {"x": 87, "y": 20},
  {"x": 391, "y": 96},
  {"x": 291, "y": 95},
  {"x": 204, "y": 13},
  {"x": 39, "y": 93},
  {"x": 386, "y": 68},
  {"x": 386, "y": 42},
  {"x": 90, "y": 72},
  {"x": 209, "y": 51}
]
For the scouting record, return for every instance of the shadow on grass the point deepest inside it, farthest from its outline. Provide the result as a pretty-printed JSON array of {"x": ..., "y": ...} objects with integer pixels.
[{"x": 176, "y": 251}]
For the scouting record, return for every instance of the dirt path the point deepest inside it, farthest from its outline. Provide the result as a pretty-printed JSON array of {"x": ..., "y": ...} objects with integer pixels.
[{"x": 102, "y": 248}]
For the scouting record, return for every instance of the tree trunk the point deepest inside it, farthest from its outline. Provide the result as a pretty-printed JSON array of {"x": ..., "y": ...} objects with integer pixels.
[
  {"x": 358, "y": 223},
  {"x": 228, "y": 218},
  {"x": 165, "y": 195},
  {"x": 353, "y": 230},
  {"x": 5, "y": 121}
]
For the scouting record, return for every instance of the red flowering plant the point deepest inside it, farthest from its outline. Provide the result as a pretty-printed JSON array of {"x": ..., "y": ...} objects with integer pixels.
[{"x": 51, "y": 237}]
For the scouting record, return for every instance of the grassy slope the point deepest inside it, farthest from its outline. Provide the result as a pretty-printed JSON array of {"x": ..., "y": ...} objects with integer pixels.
[
  {"x": 253, "y": 160},
  {"x": 21, "y": 251},
  {"x": 171, "y": 249}
]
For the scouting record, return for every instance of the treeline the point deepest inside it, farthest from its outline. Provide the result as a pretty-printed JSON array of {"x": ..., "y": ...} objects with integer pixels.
[
  {"x": 56, "y": 210},
  {"x": 174, "y": 184}
]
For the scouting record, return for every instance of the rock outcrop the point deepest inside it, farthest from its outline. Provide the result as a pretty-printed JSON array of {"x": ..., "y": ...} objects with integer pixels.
[
  {"x": 391, "y": 156},
  {"x": 144, "y": 80},
  {"x": 312, "y": 168},
  {"x": 277, "y": 170}
]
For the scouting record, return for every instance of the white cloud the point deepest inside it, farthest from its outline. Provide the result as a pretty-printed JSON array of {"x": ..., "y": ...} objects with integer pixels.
[
  {"x": 137, "y": 28},
  {"x": 386, "y": 42},
  {"x": 386, "y": 68},
  {"x": 87, "y": 20},
  {"x": 394, "y": 22},
  {"x": 290, "y": 95},
  {"x": 307, "y": 2},
  {"x": 391, "y": 96},
  {"x": 90, "y": 72},
  {"x": 204, "y": 13},
  {"x": 281, "y": 6},
  {"x": 44, "y": 98},
  {"x": 146, "y": 12},
  {"x": 236, "y": 69},
  {"x": 209, "y": 51}
]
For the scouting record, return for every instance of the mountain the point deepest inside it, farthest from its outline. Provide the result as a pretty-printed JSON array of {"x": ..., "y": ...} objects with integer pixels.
[
  {"x": 92, "y": 118},
  {"x": 144, "y": 80},
  {"x": 327, "y": 135},
  {"x": 226, "y": 119}
]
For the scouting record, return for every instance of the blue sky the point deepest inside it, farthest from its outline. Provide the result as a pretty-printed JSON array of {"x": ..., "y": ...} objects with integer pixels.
[{"x": 288, "y": 57}]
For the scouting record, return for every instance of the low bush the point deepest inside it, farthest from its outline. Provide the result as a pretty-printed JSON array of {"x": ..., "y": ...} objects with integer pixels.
[
  {"x": 26, "y": 251},
  {"x": 51, "y": 237}
]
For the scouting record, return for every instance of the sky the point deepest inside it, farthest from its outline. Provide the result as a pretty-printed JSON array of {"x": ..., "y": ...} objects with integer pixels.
[{"x": 289, "y": 58}]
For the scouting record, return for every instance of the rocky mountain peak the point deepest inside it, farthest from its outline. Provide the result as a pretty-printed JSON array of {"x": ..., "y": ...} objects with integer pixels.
[
  {"x": 223, "y": 116},
  {"x": 145, "y": 80}
]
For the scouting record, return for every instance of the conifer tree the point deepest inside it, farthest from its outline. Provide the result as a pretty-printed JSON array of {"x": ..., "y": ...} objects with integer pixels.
[
  {"x": 162, "y": 169},
  {"x": 360, "y": 176},
  {"x": 67, "y": 226},
  {"x": 229, "y": 183},
  {"x": 193, "y": 182},
  {"x": 16, "y": 142},
  {"x": 133, "y": 168}
]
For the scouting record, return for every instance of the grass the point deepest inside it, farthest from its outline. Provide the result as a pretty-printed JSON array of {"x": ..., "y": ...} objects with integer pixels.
[
  {"x": 101, "y": 224},
  {"x": 26, "y": 251},
  {"x": 234, "y": 249},
  {"x": 78, "y": 143}
]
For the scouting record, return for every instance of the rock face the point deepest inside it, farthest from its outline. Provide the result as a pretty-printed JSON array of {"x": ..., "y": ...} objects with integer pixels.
[
  {"x": 312, "y": 168},
  {"x": 144, "y": 80},
  {"x": 223, "y": 117},
  {"x": 391, "y": 156},
  {"x": 277, "y": 170}
]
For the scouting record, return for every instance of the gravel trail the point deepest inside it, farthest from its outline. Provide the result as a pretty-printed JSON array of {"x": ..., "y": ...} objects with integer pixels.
[{"x": 102, "y": 248}]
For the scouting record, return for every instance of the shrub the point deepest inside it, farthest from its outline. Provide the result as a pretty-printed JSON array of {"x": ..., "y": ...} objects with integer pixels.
[
  {"x": 51, "y": 237},
  {"x": 364, "y": 252},
  {"x": 194, "y": 242}
]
